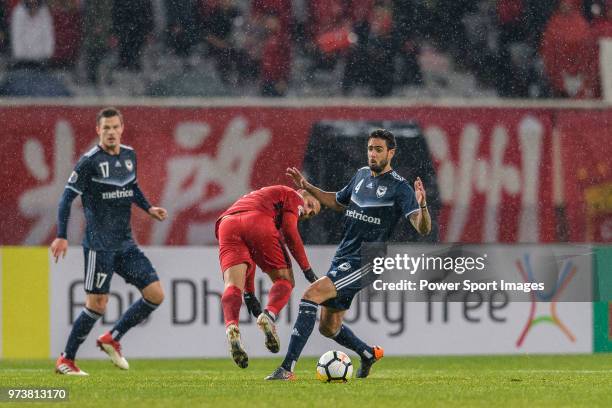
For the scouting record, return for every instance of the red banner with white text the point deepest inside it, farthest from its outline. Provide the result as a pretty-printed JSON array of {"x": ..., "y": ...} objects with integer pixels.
[
  {"x": 587, "y": 173},
  {"x": 493, "y": 166}
]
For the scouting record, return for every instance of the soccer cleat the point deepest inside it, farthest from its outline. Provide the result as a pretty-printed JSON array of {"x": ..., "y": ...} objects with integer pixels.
[
  {"x": 366, "y": 364},
  {"x": 110, "y": 346},
  {"x": 66, "y": 366},
  {"x": 281, "y": 374},
  {"x": 236, "y": 349},
  {"x": 266, "y": 324}
]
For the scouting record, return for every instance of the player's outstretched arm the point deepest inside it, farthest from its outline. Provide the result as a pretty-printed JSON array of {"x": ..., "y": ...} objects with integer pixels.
[
  {"x": 421, "y": 220},
  {"x": 326, "y": 198},
  {"x": 59, "y": 246}
]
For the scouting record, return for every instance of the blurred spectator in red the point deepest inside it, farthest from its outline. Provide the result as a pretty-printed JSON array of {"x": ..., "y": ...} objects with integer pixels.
[
  {"x": 98, "y": 35},
  {"x": 324, "y": 16},
  {"x": 275, "y": 59},
  {"x": 68, "y": 35},
  {"x": 329, "y": 31},
  {"x": 182, "y": 25},
  {"x": 276, "y": 19},
  {"x": 132, "y": 22},
  {"x": 32, "y": 34},
  {"x": 568, "y": 53},
  {"x": 282, "y": 9},
  {"x": 220, "y": 20}
]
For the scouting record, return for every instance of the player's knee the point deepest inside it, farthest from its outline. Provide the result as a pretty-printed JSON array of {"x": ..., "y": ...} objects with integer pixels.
[
  {"x": 327, "y": 330},
  {"x": 155, "y": 296},
  {"x": 312, "y": 293},
  {"x": 97, "y": 303}
]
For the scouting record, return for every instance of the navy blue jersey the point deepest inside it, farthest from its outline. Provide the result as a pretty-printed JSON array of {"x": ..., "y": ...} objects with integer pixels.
[
  {"x": 374, "y": 205},
  {"x": 108, "y": 186}
]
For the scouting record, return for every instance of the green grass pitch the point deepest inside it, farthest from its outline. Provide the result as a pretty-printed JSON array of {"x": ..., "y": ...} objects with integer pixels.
[{"x": 529, "y": 381}]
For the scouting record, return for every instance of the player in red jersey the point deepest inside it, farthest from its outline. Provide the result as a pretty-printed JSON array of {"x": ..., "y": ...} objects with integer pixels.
[{"x": 254, "y": 231}]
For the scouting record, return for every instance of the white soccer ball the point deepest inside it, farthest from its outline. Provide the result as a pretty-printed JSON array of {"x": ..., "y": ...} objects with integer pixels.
[{"x": 334, "y": 366}]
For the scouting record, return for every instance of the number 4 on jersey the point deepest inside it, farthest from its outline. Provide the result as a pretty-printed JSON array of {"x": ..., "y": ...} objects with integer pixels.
[{"x": 358, "y": 186}]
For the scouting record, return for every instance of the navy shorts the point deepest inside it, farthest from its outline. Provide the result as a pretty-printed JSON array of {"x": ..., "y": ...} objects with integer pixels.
[
  {"x": 349, "y": 277},
  {"x": 129, "y": 263}
]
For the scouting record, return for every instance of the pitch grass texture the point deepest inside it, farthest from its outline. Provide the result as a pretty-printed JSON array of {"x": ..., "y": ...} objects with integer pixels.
[{"x": 516, "y": 381}]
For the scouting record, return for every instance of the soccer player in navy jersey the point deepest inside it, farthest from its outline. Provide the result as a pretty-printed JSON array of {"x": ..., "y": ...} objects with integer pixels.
[
  {"x": 105, "y": 178},
  {"x": 372, "y": 202}
]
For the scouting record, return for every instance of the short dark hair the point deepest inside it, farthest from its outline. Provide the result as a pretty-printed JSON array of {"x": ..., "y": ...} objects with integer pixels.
[
  {"x": 108, "y": 113},
  {"x": 385, "y": 135}
]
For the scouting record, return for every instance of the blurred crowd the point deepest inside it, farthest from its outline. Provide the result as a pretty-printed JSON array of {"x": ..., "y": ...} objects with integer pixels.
[{"x": 519, "y": 48}]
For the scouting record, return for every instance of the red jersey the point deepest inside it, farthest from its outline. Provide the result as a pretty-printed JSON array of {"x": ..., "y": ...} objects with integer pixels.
[{"x": 284, "y": 205}]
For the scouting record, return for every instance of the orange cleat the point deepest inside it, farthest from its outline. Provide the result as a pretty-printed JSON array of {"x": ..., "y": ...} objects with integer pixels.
[{"x": 366, "y": 364}]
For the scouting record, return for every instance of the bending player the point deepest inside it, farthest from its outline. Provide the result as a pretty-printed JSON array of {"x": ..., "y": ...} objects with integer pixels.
[
  {"x": 105, "y": 178},
  {"x": 254, "y": 231},
  {"x": 372, "y": 202}
]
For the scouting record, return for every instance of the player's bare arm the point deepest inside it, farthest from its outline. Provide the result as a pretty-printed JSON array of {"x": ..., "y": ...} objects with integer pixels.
[
  {"x": 421, "y": 220},
  {"x": 326, "y": 198}
]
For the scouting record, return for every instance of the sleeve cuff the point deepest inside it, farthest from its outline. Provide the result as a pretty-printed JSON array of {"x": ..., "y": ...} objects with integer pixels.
[
  {"x": 75, "y": 190},
  {"x": 411, "y": 212}
]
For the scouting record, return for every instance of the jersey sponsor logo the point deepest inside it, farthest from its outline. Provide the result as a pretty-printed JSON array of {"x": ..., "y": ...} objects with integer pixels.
[
  {"x": 129, "y": 165},
  {"x": 344, "y": 267},
  {"x": 111, "y": 195},
  {"x": 362, "y": 217},
  {"x": 380, "y": 191},
  {"x": 358, "y": 186},
  {"x": 73, "y": 177}
]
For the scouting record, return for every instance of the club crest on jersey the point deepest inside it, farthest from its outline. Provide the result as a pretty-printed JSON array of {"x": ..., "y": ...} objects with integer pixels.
[
  {"x": 344, "y": 267},
  {"x": 73, "y": 177},
  {"x": 380, "y": 191},
  {"x": 129, "y": 165}
]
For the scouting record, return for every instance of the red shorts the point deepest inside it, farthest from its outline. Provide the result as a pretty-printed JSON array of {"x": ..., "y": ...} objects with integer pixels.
[{"x": 251, "y": 238}]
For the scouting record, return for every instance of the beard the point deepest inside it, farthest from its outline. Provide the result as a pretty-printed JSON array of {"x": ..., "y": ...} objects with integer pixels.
[{"x": 378, "y": 167}]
